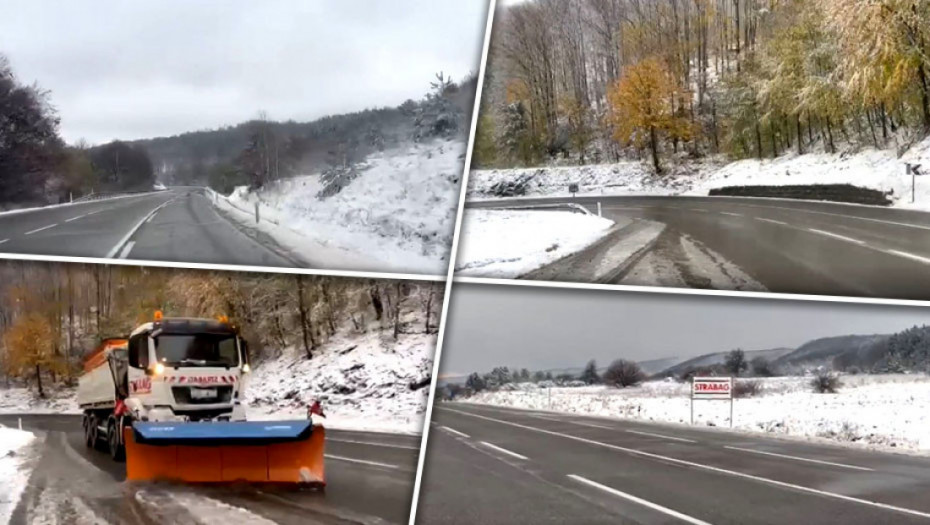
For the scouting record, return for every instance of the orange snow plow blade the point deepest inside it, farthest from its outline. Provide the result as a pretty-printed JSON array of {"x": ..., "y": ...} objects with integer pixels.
[{"x": 256, "y": 452}]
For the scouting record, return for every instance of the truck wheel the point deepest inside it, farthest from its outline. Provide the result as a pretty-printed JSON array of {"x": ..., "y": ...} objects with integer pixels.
[
  {"x": 90, "y": 430},
  {"x": 117, "y": 452}
]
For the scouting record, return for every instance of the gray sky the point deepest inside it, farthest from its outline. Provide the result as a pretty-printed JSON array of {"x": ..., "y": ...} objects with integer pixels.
[
  {"x": 544, "y": 328},
  {"x": 133, "y": 69}
]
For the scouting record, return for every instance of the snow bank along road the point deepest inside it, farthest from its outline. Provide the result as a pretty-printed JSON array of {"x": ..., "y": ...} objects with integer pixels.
[
  {"x": 179, "y": 225},
  {"x": 488, "y": 464},
  {"x": 787, "y": 246},
  {"x": 369, "y": 480}
]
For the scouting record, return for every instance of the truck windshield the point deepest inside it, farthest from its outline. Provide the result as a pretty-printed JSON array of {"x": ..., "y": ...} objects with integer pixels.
[{"x": 197, "y": 350}]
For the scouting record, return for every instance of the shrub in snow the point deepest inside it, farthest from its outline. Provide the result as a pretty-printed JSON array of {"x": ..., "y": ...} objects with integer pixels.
[
  {"x": 623, "y": 373},
  {"x": 747, "y": 388},
  {"x": 826, "y": 383}
]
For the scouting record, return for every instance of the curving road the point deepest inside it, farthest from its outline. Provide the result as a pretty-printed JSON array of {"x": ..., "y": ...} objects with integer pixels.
[
  {"x": 370, "y": 479},
  {"x": 495, "y": 465},
  {"x": 785, "y": 246},
  {"x": 177, "y": 225}
]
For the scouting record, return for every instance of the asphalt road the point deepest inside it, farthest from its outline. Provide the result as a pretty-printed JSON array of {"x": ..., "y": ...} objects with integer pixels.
[
  {"x": 788, "y": 246},
  {"x": 494, "y": 465},
  {"x": 369, "y": 477},
  {"x": 178, "y": 225}
]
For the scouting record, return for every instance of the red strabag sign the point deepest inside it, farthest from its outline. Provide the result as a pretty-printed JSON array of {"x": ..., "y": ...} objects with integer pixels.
[{"x": 712, "y": 388}]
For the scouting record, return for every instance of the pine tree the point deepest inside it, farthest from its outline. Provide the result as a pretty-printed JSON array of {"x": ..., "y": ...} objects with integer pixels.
[{"x": 590, "y": 375}]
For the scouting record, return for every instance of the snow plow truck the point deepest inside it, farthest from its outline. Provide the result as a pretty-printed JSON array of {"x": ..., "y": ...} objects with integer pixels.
[{"x": 168, "y": 400}]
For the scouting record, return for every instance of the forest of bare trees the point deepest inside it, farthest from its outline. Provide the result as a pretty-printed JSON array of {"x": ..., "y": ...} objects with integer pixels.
[
  {"x": 599, "y": 80},
  {"x": 51, "y": 314}
]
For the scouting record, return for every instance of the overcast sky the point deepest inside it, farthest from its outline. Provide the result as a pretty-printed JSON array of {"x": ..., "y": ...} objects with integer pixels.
[
  {"x": 549, "y": 328},
  {"x": 134, "y": 69}
]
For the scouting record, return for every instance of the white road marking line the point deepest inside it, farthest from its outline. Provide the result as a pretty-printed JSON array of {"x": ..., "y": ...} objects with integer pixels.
[
  {"x": 773, "y": 221},
  {"x": 456, "y": 432},
  {"x": 388, "y": 445},
  {"x": 883, "y": 221},
  {"x": 503, "y": 450},
  {"x": 908, "y": 255},
  {"x": 40, "y": 229},
  {"x": 76, "y": 218},
  {"x": 698, "y": 210},
  {"x": 837, "y": 236},
  {"x": 661, "y": 436},
  {"x": 592, "y": 425},
  {"x": 798, "y": 458},
  {"x": 634, "y": 499},
  {"x": 3, "y": 241},
  {"x": 152, "y": 216},
  {"x": 718, "y": 470},
  {"x": 126, "y": 249},
  {"x": 113, "y": 251},
  {"x": 361, "y": 461},
  {"x": 731, "y": 214}
]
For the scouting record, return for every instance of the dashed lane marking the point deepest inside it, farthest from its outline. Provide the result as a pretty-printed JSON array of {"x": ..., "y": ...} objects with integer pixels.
[
  {"x": 640, "y": 501},
  {"x": 372, "y": 444},
  {"x": 456, "y": 432},
  {"x": 837, "y": 236},
  {"x": 37, "y": 230},
  {"x": 773, "y": 221},
  {"x": 126, "y": 249},
  {"x": 503, "y": 450}
]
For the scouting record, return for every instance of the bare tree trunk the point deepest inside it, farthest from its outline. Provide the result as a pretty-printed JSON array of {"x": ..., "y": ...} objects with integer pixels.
[{"x": 301, "y": 306}]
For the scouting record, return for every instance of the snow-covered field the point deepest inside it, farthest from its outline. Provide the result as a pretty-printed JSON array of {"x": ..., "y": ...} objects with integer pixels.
[
  {"x": 887, "y": 412},
  {"x": 510, "y": 243},
  {"x": 361, "y": 382},
  {"x": 14, "y": 469},
  {"x": 870, "y": 168},
  {"x": 397, "y": 215}
]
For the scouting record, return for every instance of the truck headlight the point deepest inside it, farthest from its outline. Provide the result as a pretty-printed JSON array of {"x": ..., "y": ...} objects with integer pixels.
[
  {"x": 246, "y": 368},
  {"x": 159, "y": 369}
]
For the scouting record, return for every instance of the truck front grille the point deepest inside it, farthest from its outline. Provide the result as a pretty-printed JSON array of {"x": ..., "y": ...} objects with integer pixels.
[{"x": 182, "y": 395}]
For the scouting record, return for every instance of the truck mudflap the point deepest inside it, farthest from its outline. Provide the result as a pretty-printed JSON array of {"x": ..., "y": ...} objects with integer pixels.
[{"x": 226, "y": 451}]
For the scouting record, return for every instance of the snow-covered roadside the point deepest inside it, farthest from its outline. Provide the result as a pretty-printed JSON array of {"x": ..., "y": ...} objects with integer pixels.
[
  {"x": 510, "y": 243},
  {"x": 881, "y": 170},
  {"x": 14, "y": 469},
  {"x": 363, "y": 383},
  {"x": 887, "y": 412},
  {"x": 397, "y": 215},
  {"x": 25, "y": 401}
]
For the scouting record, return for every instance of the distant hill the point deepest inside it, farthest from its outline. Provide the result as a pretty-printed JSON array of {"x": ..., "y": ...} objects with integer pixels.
[
  {"x": 841, "y": 352},
  {"x": 717, "y": 358},
  {"x": 653, "y": 366}
]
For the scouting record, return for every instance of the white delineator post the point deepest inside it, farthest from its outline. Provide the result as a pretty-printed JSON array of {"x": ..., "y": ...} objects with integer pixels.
[
  {"x": 256, "y": 213},
  {"x": 712, "y": 388},
  {"x": 599, "y": 209}
]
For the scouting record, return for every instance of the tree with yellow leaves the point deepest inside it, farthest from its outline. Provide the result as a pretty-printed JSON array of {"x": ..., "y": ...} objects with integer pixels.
[
  {"x": 30, "y": 346},
  {"x": 642, "y": 107}
]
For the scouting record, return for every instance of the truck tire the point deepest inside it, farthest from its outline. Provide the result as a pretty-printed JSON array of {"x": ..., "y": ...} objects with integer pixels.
[
  {"x": 90, "y": 430},
  {"x": 114, "y": 444}
]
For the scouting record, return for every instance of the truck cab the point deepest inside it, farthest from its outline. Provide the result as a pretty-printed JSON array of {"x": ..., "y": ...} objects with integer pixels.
[
  {"x": 170, "y": 369},
  {"x": 186, "y": 369}
]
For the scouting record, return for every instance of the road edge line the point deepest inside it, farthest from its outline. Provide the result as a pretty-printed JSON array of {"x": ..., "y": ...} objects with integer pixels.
[
  {"x": 362, "y": 461},
  {"x": 799, "y": 458},
  {"x": 454, "y": 431}
]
